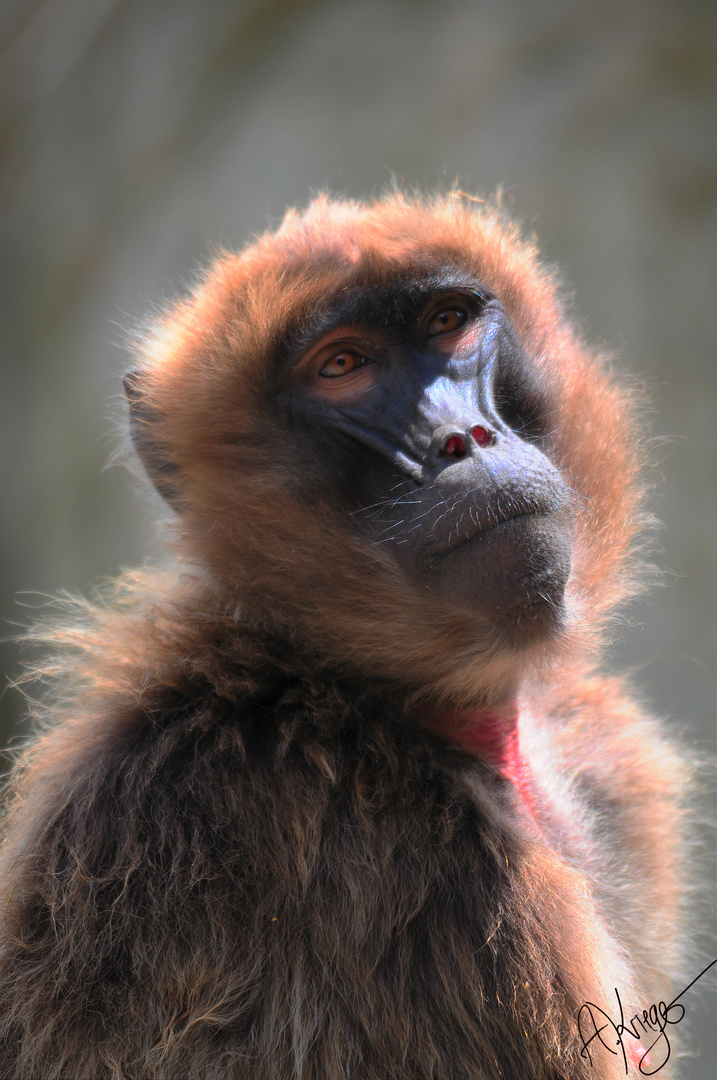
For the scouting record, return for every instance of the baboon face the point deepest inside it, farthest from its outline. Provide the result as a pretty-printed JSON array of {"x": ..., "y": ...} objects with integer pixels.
[{"x": 419, "y": 402}]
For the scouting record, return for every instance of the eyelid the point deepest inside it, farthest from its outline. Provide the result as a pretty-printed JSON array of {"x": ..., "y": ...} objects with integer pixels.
[
  {"x": 470, "y": 301},
  {"x": 342, "y": 388},
  {"x": 347, "y": 339}
]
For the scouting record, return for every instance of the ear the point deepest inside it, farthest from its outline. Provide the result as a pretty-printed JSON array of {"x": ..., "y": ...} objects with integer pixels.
[{"x": 162, "y": 471}]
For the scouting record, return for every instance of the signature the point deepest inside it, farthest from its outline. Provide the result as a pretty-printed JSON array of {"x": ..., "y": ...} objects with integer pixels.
[{"x": 615, "y": 1035}]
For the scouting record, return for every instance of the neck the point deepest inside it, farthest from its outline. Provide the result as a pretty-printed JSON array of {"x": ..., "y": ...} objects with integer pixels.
[{"x": 492, "y": 734}]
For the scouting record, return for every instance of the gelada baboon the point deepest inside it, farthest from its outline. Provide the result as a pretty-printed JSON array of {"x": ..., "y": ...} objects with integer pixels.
[{"x": 342, "y": 795}]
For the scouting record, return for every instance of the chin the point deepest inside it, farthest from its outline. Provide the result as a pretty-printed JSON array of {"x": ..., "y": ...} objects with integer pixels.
[{"x": 513, "y": 576}]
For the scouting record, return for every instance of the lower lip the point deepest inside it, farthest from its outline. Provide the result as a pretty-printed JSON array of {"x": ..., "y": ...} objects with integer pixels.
[{"x": 500, "y": 526}]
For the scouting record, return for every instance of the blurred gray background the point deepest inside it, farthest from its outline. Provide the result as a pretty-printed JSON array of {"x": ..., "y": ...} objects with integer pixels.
[{"x": 136, "y": 136}]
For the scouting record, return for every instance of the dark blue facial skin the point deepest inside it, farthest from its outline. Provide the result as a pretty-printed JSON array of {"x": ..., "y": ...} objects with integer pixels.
[{"x": 488, "y": 527}]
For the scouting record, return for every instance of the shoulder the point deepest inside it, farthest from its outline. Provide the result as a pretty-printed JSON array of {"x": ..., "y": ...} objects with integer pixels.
[{"x": 596, "y": 727}]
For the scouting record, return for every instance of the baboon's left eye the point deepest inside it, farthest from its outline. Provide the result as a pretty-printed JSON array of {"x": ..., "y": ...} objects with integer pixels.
[{"x": 445, "y": 322}]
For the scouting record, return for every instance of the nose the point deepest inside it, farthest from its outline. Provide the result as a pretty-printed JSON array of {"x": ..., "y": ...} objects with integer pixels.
[{"x": 455, "y": 441}]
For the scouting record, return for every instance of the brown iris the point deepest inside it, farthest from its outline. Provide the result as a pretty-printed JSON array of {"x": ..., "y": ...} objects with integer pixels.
[
  {"x": 343, "y": 363},
  {"x": 445, "y": 322}
]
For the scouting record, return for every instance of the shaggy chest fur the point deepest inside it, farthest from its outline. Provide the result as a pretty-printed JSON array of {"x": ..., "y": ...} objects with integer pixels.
[{"x": 291, "y": 894}]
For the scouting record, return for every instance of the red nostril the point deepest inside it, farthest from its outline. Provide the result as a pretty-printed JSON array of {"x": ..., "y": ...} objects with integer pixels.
[
  {"x": 481, "y": 436},
  {"x": 454, "y": 447}
]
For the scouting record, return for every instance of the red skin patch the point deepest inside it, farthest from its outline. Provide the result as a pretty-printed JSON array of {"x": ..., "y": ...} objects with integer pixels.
[{"x": 493, "y": 736}]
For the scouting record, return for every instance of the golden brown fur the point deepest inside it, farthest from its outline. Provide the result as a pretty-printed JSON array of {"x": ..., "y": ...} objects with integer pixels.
[{"x": 231, "y": 852}]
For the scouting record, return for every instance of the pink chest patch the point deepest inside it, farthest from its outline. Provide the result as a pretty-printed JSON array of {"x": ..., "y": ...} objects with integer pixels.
[{"x": 493, "y": 735}]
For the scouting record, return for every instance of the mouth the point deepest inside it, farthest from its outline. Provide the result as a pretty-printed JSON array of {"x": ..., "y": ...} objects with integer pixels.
[{"x": 482, "y": 530}]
